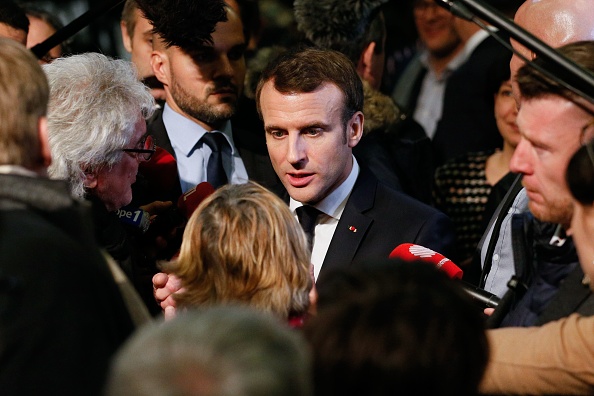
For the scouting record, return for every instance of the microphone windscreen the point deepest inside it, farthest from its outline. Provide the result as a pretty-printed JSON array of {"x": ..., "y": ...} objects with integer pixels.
[
  {"x": 412, "y": 252},
  {"x": 188, "y": 202},
  {"x": 161, "y": 170}
]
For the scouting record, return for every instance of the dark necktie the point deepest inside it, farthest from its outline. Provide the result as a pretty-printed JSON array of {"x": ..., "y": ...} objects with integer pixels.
[
  {"x": 215, "y": 173},
  {"x": 307, "y": 216}
]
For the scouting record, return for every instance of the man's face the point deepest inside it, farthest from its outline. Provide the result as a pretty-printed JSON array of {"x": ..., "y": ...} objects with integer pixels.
[
  {"x": 139, "y": 44},
  {"x": 435, "y": 26},
  {"x": 114, "y": 184},
  {"x": 205, "y": 84},
  {"x": 309, "y": 147},
  {"x": 551, "y": 133},
  {"x": 12, "y": 33},
  {"x": 40, "y": 30}
]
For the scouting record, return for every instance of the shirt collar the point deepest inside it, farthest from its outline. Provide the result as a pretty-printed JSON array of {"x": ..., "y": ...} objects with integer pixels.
[
  {"x": 452, "y": 65},
  {"x": 334, "y": 203},
  {"x": 184, "y": 133}
]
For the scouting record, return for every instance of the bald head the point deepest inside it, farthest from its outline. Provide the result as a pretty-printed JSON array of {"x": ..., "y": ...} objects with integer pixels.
[{"x": 556, "y": 22}]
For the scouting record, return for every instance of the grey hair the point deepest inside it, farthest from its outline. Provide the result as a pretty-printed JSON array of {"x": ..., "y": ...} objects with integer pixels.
[
  {"x": 95, "y": 103},
  {"x": 221, "y": 351}
]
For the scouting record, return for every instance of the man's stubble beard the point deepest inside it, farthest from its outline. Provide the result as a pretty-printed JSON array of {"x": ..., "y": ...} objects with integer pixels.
[{"x": 205, "y": 112}]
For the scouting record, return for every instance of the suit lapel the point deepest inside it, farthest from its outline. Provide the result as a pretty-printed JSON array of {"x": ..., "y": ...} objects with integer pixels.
[
  {"x": 353, "y": 224},
  {"x": 156, "y": 127}
]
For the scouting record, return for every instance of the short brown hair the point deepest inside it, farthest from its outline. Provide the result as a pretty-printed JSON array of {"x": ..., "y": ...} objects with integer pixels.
[
  {"x": 533, "y": 84},
  {"x": 303, "y": 70},
  {"x": 23, "y": 102},
  {"x": 243, "y": 245},
  {"x": 129, "y": 16}
]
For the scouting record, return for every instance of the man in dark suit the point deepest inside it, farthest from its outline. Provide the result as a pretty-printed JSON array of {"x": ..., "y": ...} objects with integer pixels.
[
  {"x": 203, "y": 74},
  {"x": 311, "y": 102}
]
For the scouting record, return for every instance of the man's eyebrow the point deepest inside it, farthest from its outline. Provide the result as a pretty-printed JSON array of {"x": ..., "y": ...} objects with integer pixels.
[{"x": 312, "y": 125}]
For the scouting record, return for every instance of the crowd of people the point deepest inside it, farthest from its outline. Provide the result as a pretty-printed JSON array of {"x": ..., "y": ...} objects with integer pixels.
[{"x": 218, "y": 217}]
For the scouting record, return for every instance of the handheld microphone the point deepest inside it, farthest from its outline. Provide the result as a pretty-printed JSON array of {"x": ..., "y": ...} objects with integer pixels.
[
  {"x": 412, "y": 252},
  {"x": 188, "y": 202},
  {"x": 161, "y": 170}
]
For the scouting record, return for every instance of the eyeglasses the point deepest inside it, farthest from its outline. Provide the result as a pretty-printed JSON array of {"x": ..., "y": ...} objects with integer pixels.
[
  {"x": 144, "y": 150},
  {"x": 583, "y": 132},
  {"x": 420, "y": 6}
]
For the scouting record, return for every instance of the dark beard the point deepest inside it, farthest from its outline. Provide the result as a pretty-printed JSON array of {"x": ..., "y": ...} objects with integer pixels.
[{"x": 204, "y": 112}]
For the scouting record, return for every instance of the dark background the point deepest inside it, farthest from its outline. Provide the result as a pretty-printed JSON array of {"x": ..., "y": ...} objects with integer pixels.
[{"x": 103, "y": 34}]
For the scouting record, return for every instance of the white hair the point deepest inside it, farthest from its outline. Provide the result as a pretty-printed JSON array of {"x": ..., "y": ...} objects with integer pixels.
[{"x": 95, "y": 103}]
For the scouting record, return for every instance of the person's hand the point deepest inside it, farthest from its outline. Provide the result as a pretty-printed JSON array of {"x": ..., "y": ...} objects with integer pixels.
[
  {"x": 488, "y": 311},
  {"x": 164, "y": 286},
  {"x": 156, "y": 207}
]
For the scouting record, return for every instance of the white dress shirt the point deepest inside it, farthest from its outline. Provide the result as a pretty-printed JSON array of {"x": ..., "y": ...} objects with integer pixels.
[{"x": 332, "y": 207}]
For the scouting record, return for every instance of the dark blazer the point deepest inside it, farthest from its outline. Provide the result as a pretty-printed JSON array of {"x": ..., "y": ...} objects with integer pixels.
[
  {"x": 252, "y": 149},
  {"x": 573, "y": 297},
  {"x": 376, "y": 219},
  {"x": 467, "y": 122}
]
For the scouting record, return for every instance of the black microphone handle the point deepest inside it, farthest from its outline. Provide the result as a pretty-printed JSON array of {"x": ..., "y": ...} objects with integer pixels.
[
  {"x": 73, "y": 27},
  {"x": 480, "y": 296}
]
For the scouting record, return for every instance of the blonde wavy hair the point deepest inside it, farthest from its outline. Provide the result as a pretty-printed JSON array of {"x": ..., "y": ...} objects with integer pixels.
[{"x": 243, "y": 245}]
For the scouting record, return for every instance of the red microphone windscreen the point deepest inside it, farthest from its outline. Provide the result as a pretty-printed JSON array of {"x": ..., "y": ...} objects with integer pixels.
[
  {"x": 189, "y": 201},
  {"x": 161, "y": 170},
  {"x": 411, "y": 252}
]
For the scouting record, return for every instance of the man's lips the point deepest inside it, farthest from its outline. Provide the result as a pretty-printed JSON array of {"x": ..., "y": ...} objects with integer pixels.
[{"x": 299, "y": 179}]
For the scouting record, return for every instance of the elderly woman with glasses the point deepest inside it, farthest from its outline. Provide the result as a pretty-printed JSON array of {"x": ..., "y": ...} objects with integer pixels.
[{"x": 97, "y": 134}]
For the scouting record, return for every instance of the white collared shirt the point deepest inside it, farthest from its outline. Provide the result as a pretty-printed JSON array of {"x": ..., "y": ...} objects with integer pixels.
[
  {"x": 192, "y": 155},
  {"x": 332, "y": 206},
  {"x": 430, "y": 101}
]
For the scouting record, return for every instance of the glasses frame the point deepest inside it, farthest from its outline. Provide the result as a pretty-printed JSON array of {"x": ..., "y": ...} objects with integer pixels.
[{"x": 143, "y": 154}]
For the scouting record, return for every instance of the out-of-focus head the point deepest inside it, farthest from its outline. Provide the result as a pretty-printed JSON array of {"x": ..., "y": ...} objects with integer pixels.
[
  {"x": 556, "y": 22},
  {"x": 23, "y": 107},
  {"x": 243, "y": 246},
  {"x": 354, "y": 27},
  {"x": 187, "y": 24},
  {"x": 13, "y": 22},
  {"x": 386, "y": 327},
  {"x": 137, "y": 37},
  {"x": 580, "y": 179},
  {"x": 436, "y": 29},
  {"x": 222, "y": 351},
  {"x": 42, "y": 25},
  {"x": 203, "y": 79},
  {"x": 311, "y": 101},
  {"x": 506, "y": 111},
  {"x": 97, "y": 108},
  {"x": 553, "y": 124}
]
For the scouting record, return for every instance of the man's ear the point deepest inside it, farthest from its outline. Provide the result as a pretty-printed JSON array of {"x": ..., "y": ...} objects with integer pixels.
[
  {"x": 44, "y": 146},
  {"x": 126, "y": 39},
  {"x": 90, "y": 180},
  {"x": 160, "y": 64},
  {"x": 366, "y": 67},
  {"x": 355, "y": 129}
]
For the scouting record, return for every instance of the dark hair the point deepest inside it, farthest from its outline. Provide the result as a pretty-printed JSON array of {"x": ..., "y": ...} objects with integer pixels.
[
  {"x": 533, "y": 84},
  {"x": 346, "y": 26},
  {"x": 13, "y": 15},
  {"x": 580, "y": 174},
  {"x": 303, "y": 70},
  {"x": 187, "y": 24},
  {"x": 394, "y": 326}
]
